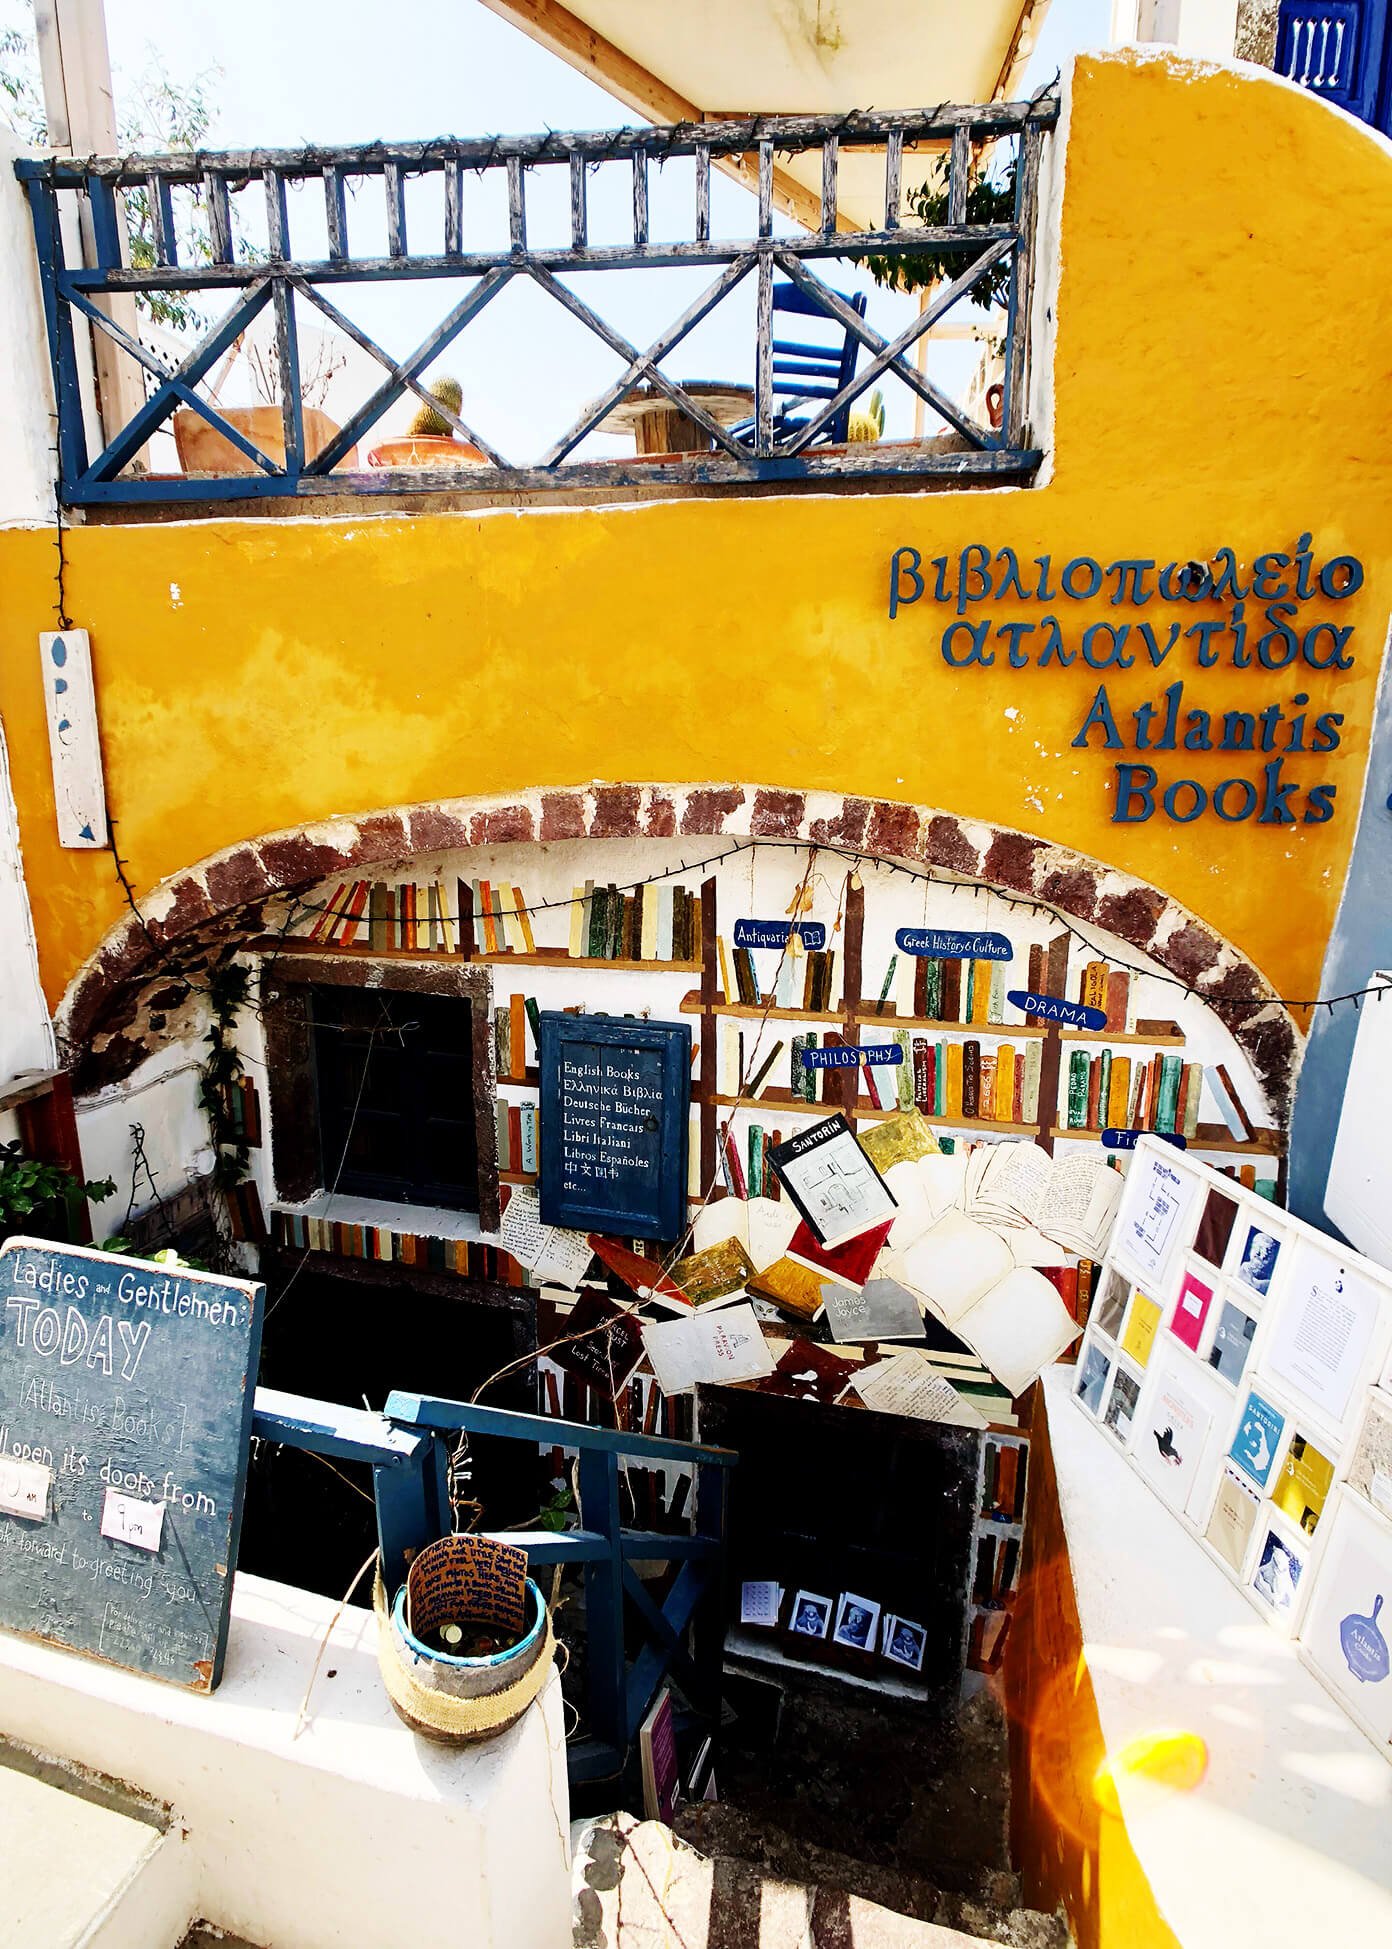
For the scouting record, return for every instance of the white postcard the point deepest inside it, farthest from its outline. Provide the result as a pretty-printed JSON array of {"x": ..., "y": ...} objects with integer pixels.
[
  {"x": 1154, "y": 1211},
  {"x": 727, "y": 1345},
  {"x": 1324, "y": 1327},
  {"x": 549, "y": 1250}
]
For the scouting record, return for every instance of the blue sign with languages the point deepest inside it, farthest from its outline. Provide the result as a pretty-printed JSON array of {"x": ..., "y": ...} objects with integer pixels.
[
  {"x": 1113, "y": 1139},
  {"x": 774, "y": 933},
  {"x": 846, "y": 1055},
  {"x": 126, "y": 1396},
  {"x": 615, "y": 1104},
  {"x": 942, "y": 944},
  {"x": 1074, "y": 1015}
]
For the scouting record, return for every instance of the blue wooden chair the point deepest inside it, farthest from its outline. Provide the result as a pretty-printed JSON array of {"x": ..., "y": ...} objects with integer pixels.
[{"x": 805, "y": 371}]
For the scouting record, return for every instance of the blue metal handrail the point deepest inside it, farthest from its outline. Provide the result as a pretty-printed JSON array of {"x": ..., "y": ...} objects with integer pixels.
[
  {"x": 407, "y": 1447},
  {"x": 257, "y": 275}
]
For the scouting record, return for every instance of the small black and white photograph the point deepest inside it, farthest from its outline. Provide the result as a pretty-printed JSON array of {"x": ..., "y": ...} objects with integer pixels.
[
  {"x": 856, "y": 1618},
  {"x": 811, "y": 1615},
  {"x": 1259, "y": 1255},
  {"x": 904, "y": 1641},
  {"x": 1278, "y": 1574}
]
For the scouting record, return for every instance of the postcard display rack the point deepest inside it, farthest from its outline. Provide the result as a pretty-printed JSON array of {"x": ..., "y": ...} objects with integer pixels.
[{"x": 1240, "y": 1358}]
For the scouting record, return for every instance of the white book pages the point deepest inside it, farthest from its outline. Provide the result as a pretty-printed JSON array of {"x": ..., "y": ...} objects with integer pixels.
[
  {"x": 951, "y": 1266},
  {"x": 1015, "y": 1182},
  {"x": 727, "y": 1345},
  {"x": 715, "y": 1223},
  {"x": 906, "y": 1384},
  {"x": 763, "y": 1226},
  {"x": 1019, "y": 1327},
  {"x": 1029, "y": 1247},
  {"x": 1082, "y": 1201}
]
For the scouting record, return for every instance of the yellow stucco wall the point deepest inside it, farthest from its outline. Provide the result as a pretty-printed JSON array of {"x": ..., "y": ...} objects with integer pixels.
[{"x": 1220, "y": 380}]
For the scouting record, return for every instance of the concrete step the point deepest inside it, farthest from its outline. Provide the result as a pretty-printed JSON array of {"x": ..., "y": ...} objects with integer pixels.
[
  {"x": 637, "y": 1886},
  {"x": 84, "y": 1863}
]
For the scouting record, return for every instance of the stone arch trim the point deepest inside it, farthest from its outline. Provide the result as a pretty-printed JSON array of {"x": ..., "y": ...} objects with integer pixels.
[{"x": 133, "y": 990}]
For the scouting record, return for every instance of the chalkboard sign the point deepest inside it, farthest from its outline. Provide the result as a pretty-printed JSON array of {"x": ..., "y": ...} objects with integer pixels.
[
  {"x": 126, "y": 1394},
  {"x": 615, "y": 1103}
]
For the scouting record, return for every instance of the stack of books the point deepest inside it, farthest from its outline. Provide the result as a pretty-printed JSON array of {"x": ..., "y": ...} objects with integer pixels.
[
  {"x": 1111, "y": 1092},
  {"x": 652, "y": 923}
]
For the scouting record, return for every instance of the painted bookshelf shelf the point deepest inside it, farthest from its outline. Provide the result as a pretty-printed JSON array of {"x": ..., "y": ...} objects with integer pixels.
[
  {"x": 517, "y": 1177},
  {"x": 782, "y": 1099},
  {"x": 692, "y": 1004},
  {"x": 1115, "y": 1035},
  {"x": 545, "y": 957},
  {"x": 1268, "y": 1144},
  {"x": 541, "y": 958}
]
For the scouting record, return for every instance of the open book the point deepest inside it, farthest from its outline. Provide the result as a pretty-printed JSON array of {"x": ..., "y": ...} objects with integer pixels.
[
  {"x": 1070, "y": 1200},
  {"x": 966, "y": 1276}
]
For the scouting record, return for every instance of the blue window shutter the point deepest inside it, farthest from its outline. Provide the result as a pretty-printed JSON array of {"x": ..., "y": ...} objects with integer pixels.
[{"x": 1335, "y": 50}]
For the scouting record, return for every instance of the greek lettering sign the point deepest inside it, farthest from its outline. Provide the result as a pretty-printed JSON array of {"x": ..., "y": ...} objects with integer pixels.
[
  {"x": 615, "y": 1106},
  {"x": 1281, "y": 614},
  {"x": 1053, "y": 1008},
  {"x": 774, "y": 933},
  {"x": 126, "y": 1395},
  {"x": 941, "y": 944},
  {"x": 846, "y": 1055}
]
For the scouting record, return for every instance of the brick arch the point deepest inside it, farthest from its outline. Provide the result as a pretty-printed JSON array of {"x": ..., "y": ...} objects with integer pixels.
[{"x": 132, "y": 992}]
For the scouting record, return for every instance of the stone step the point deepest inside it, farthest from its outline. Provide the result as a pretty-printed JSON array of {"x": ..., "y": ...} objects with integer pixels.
[
  {"x": 84, "y": 1863},
  {"x": 637, "y": 1886}
]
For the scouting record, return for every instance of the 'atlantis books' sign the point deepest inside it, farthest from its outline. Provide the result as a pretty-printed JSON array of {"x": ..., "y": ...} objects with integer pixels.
[{"x": 1282, "y": 614}]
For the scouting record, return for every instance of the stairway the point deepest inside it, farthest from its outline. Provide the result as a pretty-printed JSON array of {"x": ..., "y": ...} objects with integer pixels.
[
  {"x": 84, "y": 1863},
  {"x": 637, "y": 1886}
]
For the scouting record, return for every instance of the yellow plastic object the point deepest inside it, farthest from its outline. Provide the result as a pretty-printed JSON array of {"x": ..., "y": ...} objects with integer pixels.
[{"x": 1177, "y": 1760}]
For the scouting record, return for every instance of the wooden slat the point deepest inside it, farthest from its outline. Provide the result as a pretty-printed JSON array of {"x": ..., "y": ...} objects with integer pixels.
[
  {"x": 517, "y": 209},
  {"x": 1022, "y": 291},
  {"x": 960, "y": 169},
  {"x": 277, "y": 216},
  {"x": 829, "y": 185},
  {"x": 395, "y": 186},
  {"x": 217, "y": 204},
  {"x": 894, "y": 178},
  {"x": 765, "y": 189},
  {"x": 643, "y": 366},
  {"x": 734, "y": 135},
  {"x": 763, "y": 344},
  {"x": 454, "y": 209},
  {"x": 106, "y": 227},
  {"x": 702, "y": 195},
  {"x": 640, "y": 200},
  {"x": 288, "y": 359},
  {"x": 336, "y": 214},
  {"x": 579, "y": 213},
  {"x": 906, "y": 242},
  {"x": 157, "y": 193}
]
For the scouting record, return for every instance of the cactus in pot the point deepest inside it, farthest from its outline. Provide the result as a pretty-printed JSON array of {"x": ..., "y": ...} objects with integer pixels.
[{"x": 430, "y": 424}]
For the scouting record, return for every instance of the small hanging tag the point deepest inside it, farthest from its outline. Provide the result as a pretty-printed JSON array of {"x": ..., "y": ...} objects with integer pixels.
[{"x": 70, "y": 702}]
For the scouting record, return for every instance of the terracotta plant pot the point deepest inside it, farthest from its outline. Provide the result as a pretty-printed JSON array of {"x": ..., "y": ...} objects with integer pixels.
[
  {"x": 423, "y": 451},
  {"x": 203, "y": 450}
]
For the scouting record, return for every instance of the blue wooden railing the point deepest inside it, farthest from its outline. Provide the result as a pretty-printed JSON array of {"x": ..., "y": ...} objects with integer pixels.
[
  {"x": 408, "y": 1448},
  {"x": 271, "y": 228}
]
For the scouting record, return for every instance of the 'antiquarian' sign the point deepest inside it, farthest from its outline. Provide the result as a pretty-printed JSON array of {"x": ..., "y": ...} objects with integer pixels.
[
  {"x": 126, "y": 1394},
  {"x": 615, "y": 1106}
]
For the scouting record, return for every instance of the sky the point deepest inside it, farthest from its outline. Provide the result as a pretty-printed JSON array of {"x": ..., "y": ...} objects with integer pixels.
[{"x": 281, "y": 73}]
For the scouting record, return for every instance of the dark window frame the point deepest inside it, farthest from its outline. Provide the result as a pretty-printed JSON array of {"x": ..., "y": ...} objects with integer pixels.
[{"x": 297, "y": 1159}]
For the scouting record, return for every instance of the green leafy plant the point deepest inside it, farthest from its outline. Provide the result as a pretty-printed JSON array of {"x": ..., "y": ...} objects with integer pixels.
[
  {"x": 990, "y": 200},
  {"x": 430, "y": 424},
  {"x": 43, "y": 1193},
  {"x": 229, "y": 984}
]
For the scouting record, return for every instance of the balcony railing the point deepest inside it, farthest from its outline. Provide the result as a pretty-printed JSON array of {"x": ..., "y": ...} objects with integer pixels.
[{"x": 276, "y": 230}]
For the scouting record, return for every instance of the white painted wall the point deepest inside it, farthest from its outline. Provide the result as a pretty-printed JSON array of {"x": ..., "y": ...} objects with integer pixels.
[
  {"x": 1202, "y": 27},
  {"x": 27, "y": 463},
  {"x": 1285, "y": 1839},
  {"x": 162, "y": 1096},
  {"x": 357, "y": 1832},
  {"x": 26, "y": 1034}
]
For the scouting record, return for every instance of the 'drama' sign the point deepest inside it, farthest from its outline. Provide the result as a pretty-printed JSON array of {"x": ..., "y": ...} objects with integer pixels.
[
  {"x": 126, "y": 1392},
  {"x": 1177, "y": 620}
]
